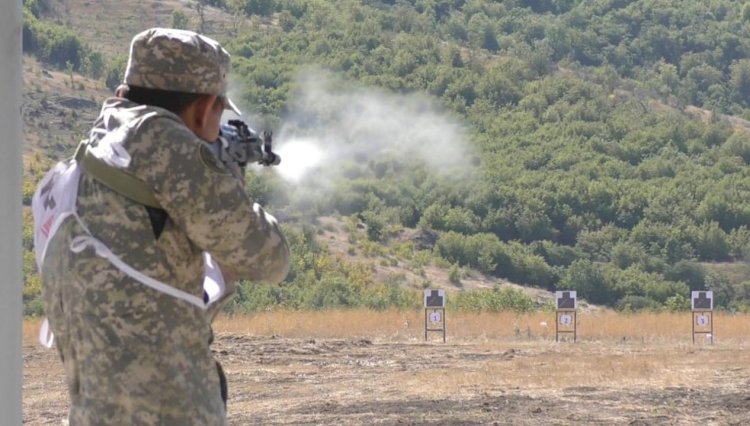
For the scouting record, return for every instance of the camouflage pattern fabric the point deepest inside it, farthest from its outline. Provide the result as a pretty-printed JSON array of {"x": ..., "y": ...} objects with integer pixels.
[
  {"x": 133, "y": 355},
  {"x": 178, "y": 61}
]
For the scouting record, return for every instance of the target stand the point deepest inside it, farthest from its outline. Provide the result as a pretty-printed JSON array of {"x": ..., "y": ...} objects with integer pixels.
[
  {"x": 434, "y": 312},
  {"x": 566, "y": 321},
  {"x": 703, "y": 314}
]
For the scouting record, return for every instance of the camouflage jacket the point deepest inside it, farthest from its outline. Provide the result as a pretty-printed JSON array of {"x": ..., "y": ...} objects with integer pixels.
[{"x": 134, "y": 355}]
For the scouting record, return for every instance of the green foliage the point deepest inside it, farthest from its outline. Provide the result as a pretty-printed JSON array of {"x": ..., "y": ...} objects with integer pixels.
[
  {"x": 496, "y": 300},
  {"x": 587, "y": 279},
  {"x": 556, "y": 254},
  {"x": 32, "y": 286},
  {"x": 28, "y": 192},
  {"x": 487, "y": 253},
  {"x": 58, "y": 46},
  {"x": 93, "y": 65},
  {"x": 53, "y": 44},
  {"x": 454, "y": 275},
  {"x": 677, "y": 303},
  {"x": 688, "y": 272},
  {"x": 27, "y": 233},
  {"x": 635, "y": 303},
  {"x": 588, "y": 176},
  {"x": 375, "y": 225},
  {"x": 115, "y": 72},
  {"x": 37, "y": 7},
  {"x": 319, "y": 281},
  {"x": 253, "y": 7},
  {"x": 179, "y": 20},
  {"x": 724, "y": 291},
  {"x": 328, "y": 293},
  {"x": 444, "y": 218}
]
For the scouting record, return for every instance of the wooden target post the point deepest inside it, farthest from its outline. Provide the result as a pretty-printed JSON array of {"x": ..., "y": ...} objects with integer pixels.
[
  {"x": 702, "y": 303},
  {"x": 566, "y": 321},
  {"x": 434, "y": 312}
]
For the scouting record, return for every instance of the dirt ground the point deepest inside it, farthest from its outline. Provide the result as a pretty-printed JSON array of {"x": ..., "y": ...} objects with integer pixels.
[{"x": 289, "y": 381}]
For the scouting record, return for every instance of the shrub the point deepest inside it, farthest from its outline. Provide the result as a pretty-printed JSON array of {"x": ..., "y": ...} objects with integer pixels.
[
  {"x": 59, "y": 46},
  {"x": 179, "y": 20},
  {"x": 688, "y": 272},
  {"x": 454, "y": 275},
  {"x": 114, "y": 73},
  {"x": 557, "y": 255},
  {"x": 495, "y": 300},
  {"x": 52, "y": 44},
  {"x": 588, "y": 280},
  {"x": 677, "y": 303},
  {"x": 635, "y": 303},
  {"x": 375, "y": 225}
]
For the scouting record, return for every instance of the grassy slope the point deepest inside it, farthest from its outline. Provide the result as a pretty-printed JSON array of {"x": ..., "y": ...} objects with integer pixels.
[
  {"x": 58, "y": 113},
  {"x": 60, "y": 107}
]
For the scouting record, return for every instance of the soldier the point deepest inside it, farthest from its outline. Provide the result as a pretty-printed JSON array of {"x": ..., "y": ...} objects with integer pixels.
[{"x": 123, "y": 237}]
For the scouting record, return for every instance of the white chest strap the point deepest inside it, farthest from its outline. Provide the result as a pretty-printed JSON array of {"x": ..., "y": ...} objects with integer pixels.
[
  {"x": 80, "y": 243},
  {"x": 55, "y": 200},
  {"x": 213, "y": 283}
]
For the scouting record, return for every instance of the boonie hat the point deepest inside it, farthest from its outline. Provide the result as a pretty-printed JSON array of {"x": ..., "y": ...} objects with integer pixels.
[{"x": 179, "y": 61}]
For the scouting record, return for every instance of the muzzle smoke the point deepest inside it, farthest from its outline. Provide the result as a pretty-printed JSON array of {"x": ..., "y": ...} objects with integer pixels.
[
  {"x": 336, "y": 130},
  {"x": 332, "y": 122}
]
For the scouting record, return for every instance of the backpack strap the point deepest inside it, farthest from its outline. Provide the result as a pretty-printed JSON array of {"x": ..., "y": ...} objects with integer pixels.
[{"x": 115, "y": 179}]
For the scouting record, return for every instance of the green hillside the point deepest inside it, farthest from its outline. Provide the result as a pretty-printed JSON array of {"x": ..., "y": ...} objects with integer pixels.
[{"x": 596, "y": 145}]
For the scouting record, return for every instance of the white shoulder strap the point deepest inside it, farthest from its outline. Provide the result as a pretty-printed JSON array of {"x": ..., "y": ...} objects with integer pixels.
[{"x": 53, "y": 201}]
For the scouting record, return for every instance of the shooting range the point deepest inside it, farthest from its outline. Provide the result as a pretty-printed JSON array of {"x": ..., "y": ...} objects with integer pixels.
[
  {"x": 702, "y": 303},
  {"x": 434, "y": 312},
  {"x": 10, "y": 226},
  {"x": 565, "y": 322}
]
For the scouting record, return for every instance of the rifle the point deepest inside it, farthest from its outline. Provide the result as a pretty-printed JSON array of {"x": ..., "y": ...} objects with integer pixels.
[{"x": 238, "y": 145}]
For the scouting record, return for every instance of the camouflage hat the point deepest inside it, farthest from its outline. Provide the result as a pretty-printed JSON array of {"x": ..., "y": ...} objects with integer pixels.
[{"x": 179, "y": 61}]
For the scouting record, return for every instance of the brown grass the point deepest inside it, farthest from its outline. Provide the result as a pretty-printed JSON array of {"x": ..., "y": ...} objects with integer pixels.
[
  {"x": 319, "y": 369},
  {"x": 409, "y": 325},
  {"x": 108, "y": 25},
  {"x": 555, "y": 368},
  {"x": 628, "y": 352},
  {"x": 30, "y": 330}
]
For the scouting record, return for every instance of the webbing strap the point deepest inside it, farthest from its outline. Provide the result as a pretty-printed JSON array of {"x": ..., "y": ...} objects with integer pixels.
[
  {"x": 115, "y": 179},
  {"x": 78, "y": 244}
]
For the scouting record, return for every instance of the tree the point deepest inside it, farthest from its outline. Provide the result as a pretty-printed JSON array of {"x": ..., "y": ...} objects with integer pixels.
[
  {"x": 688, "y": 272},
  {"x": 588, "y": 280},
  {"x": 253, "y": 7},
  {"x": 179, "y": 20},
  {"x": 740, "y": 80},
  {"x": 200, "y": 9},
  {"x": 746, "y": 12},
  {"x": 115, "y": 72}
]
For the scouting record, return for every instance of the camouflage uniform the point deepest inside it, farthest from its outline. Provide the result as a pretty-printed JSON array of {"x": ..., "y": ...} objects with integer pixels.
[{"x": 134, "y": 355}]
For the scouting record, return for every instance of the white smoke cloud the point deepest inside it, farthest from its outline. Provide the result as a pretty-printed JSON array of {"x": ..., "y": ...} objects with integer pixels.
[{"x": 331, "y": 122}]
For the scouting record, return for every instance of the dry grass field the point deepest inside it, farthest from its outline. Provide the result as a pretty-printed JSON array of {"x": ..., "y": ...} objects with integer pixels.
[{"x": 364, "y": 367}]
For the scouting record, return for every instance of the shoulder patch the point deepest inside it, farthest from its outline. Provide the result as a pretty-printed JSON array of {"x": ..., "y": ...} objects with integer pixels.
[{"x": 211, "y": 161}]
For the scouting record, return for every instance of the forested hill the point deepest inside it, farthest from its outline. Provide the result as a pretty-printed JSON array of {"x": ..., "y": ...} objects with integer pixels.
[{"x": 595, "y": 145}]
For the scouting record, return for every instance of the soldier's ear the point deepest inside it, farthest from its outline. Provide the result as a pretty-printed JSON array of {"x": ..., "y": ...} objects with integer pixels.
[
  {"x": 203, "y": 107},
  {"x": 196, "y": 115}
]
